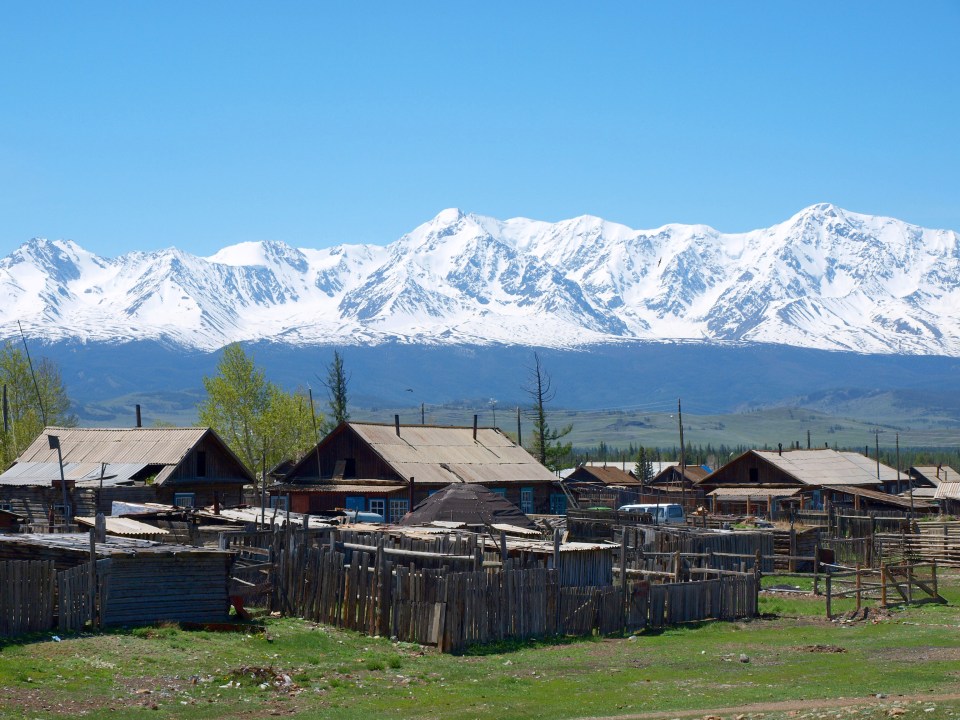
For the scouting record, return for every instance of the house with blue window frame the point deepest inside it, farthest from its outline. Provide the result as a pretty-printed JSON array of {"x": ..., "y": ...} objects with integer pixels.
[{"x": 390, "y": 468}]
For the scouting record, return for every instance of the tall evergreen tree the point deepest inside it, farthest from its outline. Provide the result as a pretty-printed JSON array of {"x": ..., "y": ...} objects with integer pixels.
[
  {"x": 336, "y": 385},
  {"x": 644, "y": 466}
]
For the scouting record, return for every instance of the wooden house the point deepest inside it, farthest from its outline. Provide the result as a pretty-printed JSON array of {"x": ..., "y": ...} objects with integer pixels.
[
  {"x": 389, "y": 469},
  {"x": 820, "y": 476},
  {"x": 602, "y": 486},
  {"x": 178, "y": 466}
]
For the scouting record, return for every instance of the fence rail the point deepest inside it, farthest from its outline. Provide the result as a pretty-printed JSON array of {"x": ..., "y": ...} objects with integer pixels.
[{"x": 908, "y": 583}]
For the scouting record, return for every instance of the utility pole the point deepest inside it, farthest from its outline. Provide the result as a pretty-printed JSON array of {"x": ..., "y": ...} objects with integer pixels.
[
  {"x": 54, "y": 442},
  {"x": 877, "y": 441},
  {"x": 683, "y": 461},
  {"x": 519, "y": 441}
]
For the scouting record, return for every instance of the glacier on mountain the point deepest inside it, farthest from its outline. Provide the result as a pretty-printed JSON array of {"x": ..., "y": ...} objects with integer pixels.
[{"x": 826, "y": 278}]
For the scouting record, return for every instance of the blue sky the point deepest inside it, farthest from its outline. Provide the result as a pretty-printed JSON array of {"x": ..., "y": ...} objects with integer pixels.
[{"x": 137, "y": 125}]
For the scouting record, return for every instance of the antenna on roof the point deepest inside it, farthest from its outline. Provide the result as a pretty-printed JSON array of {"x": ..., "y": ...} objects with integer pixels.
[{"x": 36, "y": 385}]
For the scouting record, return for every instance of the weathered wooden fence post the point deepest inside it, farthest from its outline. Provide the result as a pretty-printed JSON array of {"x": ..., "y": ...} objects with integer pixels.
[
  {"x": 828, "y": 592},
  {"x": 883, "y": 585},
  {"x": 859, "y": 586}
]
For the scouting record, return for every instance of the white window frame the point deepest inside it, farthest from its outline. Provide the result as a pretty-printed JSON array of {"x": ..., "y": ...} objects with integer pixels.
[
  {"x": 278, "y": 502},
  {"x": 398, "y": 508},
  {"x": 4, "y": 505},
  {"x": 379, "y": 506},
  {"x": 184, "y": 500}
]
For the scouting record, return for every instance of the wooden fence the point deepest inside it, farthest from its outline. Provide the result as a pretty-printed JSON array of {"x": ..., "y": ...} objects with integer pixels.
[
  {"x": 36, "y": 597},
  {"x": 907, "y": 583},
  {"x": 927, "y": 546},
  {"x": 368, "y": 590},
  {"x": 27, "y": 596}
]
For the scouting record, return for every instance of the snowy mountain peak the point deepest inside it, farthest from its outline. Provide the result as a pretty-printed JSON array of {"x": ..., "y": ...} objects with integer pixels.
[{"x": 825, "y": 278}]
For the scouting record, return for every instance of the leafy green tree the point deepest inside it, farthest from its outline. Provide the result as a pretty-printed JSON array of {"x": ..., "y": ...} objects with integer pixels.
[
  {"x": 336, "y": 385},
  {"x": 30, "y": 405},
  {"x": 547, "y": 447},
  {"x": 644, "y": 466},
  {"x": 262, "y": 423}
]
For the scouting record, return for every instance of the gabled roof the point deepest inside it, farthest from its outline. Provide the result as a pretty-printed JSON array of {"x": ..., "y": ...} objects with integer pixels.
[
  {"x": 440, "y": 455},
  {"x": 124, "y": 450},
  {"x": 820, "y": 467},
  {"x": 470, "y": 505},
  {"x": 935, "y": 474},
  {"x": 693, "y": 473},
  {"x": 603, "y": 474}
]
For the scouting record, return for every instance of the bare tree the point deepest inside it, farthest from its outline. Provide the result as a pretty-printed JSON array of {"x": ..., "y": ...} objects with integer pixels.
[{"x": 546, "y": 446}]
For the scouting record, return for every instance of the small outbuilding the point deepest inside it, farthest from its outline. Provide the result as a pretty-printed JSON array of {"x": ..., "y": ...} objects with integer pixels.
[{"x": 470, "y": 506}]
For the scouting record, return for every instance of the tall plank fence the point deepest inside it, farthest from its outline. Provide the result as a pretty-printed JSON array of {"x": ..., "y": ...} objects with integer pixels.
[
  {"x": 364, "y": 590},
  {"x": 36, "y": 597},
  {"x": 27, "y": 593}
]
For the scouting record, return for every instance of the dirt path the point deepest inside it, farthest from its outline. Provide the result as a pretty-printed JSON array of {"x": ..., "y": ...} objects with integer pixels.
[{"x": 784, "y": 706}]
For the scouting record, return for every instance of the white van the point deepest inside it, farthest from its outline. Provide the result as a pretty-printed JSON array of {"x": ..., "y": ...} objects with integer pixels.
[{"x": 668, "y": 514}]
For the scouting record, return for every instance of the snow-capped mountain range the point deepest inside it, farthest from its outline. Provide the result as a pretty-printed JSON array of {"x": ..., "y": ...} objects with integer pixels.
[{"x": 826, "y": 278}]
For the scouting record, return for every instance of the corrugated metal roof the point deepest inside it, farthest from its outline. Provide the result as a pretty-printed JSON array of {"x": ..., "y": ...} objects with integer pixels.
[
  {"x": 879, "y": 496},
  {"x": 85, "y": 474},
  {"x": 162, "y": 446},
  {"x": 371, "y": 489},
  {"x": 441, "y": 455},
  {"x": 824, "y": 467},
  {"x": 742, "y": 493},
  {"x": 123, "y": 526},
  {"x": 948, "y": 491}
]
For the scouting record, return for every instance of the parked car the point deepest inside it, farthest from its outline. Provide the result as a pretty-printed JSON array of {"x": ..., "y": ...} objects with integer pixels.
[{"x": 669, "y": 514}]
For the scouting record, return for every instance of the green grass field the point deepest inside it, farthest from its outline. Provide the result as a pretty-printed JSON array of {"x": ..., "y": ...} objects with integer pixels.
[{"x": 911, "y": 657}]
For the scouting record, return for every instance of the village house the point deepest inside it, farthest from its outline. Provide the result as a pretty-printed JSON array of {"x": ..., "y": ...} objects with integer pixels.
[
  {"x": 186, "y": 467},
  {"x": 388, "y": 469},
  {"x": 769, "y": 481},
  {"x": 601, "y": 486}
]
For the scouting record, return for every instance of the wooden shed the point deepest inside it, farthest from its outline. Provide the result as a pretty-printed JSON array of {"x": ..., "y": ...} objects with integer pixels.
[{"x": 139, "y": 582}]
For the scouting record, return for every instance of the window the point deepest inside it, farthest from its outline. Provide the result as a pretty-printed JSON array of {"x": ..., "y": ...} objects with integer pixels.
[
  {"x": 201, "y": 463},
  {"x": 398, "y": 508},
  {"x": 502, "y": 492},
  {"x": 184, "y": 499},
  {"x": 526, "y": 500},
  {"x": 278, "y": 502},
  {"x": 558, "y": 504},
  {"x": 379, "y": 506},
  {"x": 6, "y": 506},
  {"x": 58, "y": 514},
  {"x": 754, "y": 475}
]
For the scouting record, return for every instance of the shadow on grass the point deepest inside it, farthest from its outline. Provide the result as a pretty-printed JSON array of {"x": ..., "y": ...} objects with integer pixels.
[{"x": 508, "y": 646}]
